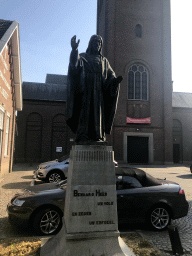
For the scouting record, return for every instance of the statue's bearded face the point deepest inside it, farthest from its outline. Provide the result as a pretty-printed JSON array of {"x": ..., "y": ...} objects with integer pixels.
[{"x": 96, "y": 45}]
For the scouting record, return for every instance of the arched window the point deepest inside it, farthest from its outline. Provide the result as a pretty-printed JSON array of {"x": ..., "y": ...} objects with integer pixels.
[
  {"x": 177, "y": 131},
  {"x": 138, "y": 30},
  {"x": 137, "y": 82},
  {"x": 59, "y": 136},
  {"x": 177, "y": 126},
  {"x": 177, "y": 141},
  {"x": 33, "y": 137}
]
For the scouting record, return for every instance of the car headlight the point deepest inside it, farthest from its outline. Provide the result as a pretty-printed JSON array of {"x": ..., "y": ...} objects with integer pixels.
[{"x": 18, "y": 202}]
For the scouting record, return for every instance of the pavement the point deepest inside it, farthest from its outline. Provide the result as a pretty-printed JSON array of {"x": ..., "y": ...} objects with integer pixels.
[
  {"x": 22, "y": 176},
  {"x": 10, "y": 184},
  {"x": 182, "y": 175}
]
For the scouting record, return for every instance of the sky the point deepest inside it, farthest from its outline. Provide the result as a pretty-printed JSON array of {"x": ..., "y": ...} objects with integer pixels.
[{"x": 47, "y": 26}]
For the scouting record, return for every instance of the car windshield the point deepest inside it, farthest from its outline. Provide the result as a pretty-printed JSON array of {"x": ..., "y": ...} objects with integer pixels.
[{"x": 63, "y": 158}]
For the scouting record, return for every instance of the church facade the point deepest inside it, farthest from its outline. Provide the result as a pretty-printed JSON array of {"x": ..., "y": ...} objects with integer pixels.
[{"x": 137, "y": 43}]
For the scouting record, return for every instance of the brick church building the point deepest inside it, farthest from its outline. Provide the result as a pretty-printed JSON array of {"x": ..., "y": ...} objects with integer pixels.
[{"x": 137, "y": 43}]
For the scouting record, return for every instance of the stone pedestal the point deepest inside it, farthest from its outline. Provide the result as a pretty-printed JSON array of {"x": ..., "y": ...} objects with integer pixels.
[{"x": 90, "y": 215}]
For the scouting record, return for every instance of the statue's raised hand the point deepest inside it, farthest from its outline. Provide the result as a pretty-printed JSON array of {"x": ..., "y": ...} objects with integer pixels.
[{"x": 74, "y": 44}]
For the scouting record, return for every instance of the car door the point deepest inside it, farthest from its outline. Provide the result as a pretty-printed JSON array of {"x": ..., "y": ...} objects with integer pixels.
[{"x": 132, "y": 199}]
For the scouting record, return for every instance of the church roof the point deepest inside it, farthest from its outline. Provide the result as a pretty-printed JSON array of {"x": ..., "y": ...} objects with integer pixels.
[
  {"x": 4, "y": 25},
  {"x": 10, "y": 30},
  {"x": 46, "y": 91},
  {"x": 56, "y": 79},
  {"x": 181, "y": 100}
]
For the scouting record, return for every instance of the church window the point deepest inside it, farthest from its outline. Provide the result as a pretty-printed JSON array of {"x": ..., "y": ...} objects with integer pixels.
[
  {"x": 7, "y": 135},
  {"x": 138, "y": 30},
  {"x": 137, "y": 82},
  {"x": 1, "y": 127}
]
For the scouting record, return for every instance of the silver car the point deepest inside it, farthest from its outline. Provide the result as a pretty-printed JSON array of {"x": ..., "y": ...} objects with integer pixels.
[{"x": 52, "y": 171}]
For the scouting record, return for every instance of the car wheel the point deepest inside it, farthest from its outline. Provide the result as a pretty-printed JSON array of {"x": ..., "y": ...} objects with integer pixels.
[
  {"x": 47, "y": 222},
  {"x": 54, "y": 176},
  {"x": 159, "y": 218}
]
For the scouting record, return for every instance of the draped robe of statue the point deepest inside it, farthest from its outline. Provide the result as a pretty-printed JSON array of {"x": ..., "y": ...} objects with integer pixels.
[{"x": 91, "y": 96}]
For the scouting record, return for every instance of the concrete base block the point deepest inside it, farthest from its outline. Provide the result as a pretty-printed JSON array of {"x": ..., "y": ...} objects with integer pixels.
[{"x": 83, "y": 244}]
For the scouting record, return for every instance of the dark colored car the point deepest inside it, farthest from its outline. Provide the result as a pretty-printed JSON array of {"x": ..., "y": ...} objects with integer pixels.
[{"x": 140, "y": 198}]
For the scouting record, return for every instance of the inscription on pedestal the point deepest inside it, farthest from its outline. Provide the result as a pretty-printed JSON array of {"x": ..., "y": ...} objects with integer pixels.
[
  {"x": 93, "y": 208},
  {"x": 81, "y": 213},
  {"x": 97, "y": 193},
  {"x": 105, "y": 203},
  {"x": 101, "y": 222},
  {"x": 91, "y": 192}
]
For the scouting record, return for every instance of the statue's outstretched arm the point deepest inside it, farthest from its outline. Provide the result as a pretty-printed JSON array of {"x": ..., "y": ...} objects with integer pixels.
[{"x": 74, "y": 57}]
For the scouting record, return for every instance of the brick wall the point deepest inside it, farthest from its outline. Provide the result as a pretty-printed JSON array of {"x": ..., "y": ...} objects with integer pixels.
[
  {"x": 7, "y": 106},
  {"x": 48, "y": 123},
  {"x": 184, "y": 116}
]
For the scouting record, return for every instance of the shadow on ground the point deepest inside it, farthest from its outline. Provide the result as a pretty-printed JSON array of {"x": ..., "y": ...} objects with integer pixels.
[
  {"x": 30, "y": 177},
  {"x": 8, "y": 230},
  {"x": 186, "y": 176},
  {"x": 132, "y": 227},
  {"x": 16, "y": 185}
]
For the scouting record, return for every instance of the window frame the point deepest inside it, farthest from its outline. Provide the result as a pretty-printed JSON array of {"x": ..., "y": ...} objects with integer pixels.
[
  {"x": 2, "y": 111},
  {"x": 7, "y": 134},
  {"x": 140, "y": 81},
  {"x": 138, "y": 30}
]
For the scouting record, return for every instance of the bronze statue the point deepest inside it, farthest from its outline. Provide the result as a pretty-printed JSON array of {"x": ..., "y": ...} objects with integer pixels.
[{"x": 92, "y": 92}]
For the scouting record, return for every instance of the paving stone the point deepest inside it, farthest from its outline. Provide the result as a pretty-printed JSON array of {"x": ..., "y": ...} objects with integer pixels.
[
  {"x": 10, "y": 184},
  {"x": 181, "y": 175}
]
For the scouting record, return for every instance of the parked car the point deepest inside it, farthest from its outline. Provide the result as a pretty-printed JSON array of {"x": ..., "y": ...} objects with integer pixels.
[
  {"x": 54, "y": 171},
  {"x": 140, "y": 198}
]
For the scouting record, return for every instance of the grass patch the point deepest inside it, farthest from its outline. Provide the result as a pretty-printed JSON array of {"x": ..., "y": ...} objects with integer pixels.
[
  {"x": 139, "y": 245},
  {"x": 31, "y": 246},
  {"x": 20, "y": 247}
]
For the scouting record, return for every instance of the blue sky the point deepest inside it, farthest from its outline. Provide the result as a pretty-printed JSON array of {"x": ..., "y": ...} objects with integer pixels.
[{"x": 46, "y": 27}]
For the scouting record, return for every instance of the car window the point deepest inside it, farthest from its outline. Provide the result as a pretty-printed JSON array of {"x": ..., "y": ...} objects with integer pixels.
[
  {"x": 150, "y": 181},
  {"x": 127, "y": 182}
]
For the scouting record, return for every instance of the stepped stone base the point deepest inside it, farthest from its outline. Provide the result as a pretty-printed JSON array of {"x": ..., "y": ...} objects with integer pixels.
[{"x": 82, "y": 244}]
